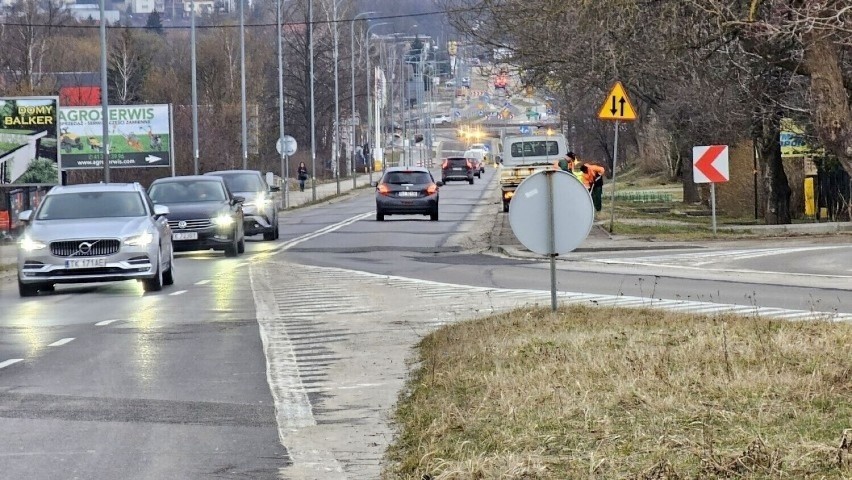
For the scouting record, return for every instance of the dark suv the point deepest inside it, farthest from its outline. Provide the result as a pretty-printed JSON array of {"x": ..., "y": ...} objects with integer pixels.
[{"x": 457, "y": 168}]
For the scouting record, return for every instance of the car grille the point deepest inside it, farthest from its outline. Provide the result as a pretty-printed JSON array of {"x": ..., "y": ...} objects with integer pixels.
[
  {"x": 197, "y": 224},
  {"x": 84, "y": 248}
]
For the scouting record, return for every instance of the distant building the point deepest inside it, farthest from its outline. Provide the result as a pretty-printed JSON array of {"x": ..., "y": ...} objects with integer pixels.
[
  {"x": 146, "y": 6},
  {"x": 202, "y": 7},
  {"x": 85, "y": 12}
]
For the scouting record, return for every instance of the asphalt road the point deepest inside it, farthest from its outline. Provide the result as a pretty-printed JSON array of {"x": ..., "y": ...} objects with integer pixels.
[{"x": 285, "y": 362}]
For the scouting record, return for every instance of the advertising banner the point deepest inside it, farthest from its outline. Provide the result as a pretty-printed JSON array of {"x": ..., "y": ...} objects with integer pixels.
[
  {"x": 28, "y": 142},
  {"x": 139, "y": 136}
]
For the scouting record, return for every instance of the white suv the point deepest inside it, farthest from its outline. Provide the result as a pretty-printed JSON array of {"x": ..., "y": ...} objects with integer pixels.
[{"x": 441, "y": 119}]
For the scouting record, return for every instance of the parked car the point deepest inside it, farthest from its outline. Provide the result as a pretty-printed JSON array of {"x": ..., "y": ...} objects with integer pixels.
[
  {"x": 260, "y": 213},
  {"x": 465, "y": 82},
  {"x": 407, "y": 191},
  {"x": 95, "y": 233},
  {"x": 457, "y": 168},
  {"x": 450, "y": 83},
  {"x": 441, "y": 119},
  {"x": 203, "y": 213}
]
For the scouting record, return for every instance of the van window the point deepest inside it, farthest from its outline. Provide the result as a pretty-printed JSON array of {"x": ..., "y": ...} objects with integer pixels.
[{"x": 535, "y": 148}]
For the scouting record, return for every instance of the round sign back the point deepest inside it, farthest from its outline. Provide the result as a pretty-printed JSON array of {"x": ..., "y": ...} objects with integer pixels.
[{"x": 573, "y": 212}]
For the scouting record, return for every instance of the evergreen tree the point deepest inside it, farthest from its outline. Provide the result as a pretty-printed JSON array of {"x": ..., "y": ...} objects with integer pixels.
[{"x": 155, "y": 23}]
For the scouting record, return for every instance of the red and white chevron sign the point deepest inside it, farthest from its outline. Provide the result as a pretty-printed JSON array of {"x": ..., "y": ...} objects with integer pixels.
[{"x": 710, "y": 164}]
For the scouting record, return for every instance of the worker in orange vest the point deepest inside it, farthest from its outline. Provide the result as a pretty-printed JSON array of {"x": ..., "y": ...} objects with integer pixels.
[{"x": 593, "y": 180}]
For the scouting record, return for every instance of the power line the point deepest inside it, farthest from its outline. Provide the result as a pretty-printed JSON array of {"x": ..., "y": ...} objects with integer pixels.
[{"x": 248, "y": 25}]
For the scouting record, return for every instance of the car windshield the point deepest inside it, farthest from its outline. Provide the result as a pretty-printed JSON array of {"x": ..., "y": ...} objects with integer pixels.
[
  {"x": 407, "y": 178},
  {"x": 187, "y": 192},
  {"x": 243, "y": 182},
  {"x": 457, "y": 161},
  {"x": 69, "y": 206}
]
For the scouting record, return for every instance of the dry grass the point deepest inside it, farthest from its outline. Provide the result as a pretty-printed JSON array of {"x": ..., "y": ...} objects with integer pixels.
[{"x": 637, "y": 394}]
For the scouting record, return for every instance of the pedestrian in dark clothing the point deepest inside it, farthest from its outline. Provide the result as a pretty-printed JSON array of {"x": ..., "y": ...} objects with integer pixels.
[{"x": 302, "y": 175}]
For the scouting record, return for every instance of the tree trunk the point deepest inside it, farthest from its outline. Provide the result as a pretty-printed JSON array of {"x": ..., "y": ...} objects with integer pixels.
[
  {"x": 775, "y": 185},
  {"x": 831, "y": 111},
  {"x": 690, "y": 189}
]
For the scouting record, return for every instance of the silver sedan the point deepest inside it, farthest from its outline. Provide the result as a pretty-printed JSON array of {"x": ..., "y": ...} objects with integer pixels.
[{"x": 95, "y": 233}]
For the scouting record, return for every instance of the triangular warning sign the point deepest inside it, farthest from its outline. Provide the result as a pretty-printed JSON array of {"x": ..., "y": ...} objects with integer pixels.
[{"x": 617, "y": 105}]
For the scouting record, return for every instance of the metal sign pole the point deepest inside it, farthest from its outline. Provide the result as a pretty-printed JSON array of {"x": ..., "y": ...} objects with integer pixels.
[
  {"x": 614, "y": 163},
  {"x": 551, "y": 235},
  {"x": 713, "y": 205}
]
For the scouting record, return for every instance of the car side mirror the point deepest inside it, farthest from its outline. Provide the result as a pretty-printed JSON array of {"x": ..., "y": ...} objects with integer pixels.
[
  {"x": 238, "y": 199},
  {"x": 25, "y": 216},
  {"x": 160, "y": 211},
  {"x": 439, "y": 183}
]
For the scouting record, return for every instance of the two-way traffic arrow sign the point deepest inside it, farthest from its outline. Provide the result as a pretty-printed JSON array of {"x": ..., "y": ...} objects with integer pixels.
[
  {"x": 617, "y": 105},
  {"x": 710, "y": 164}
]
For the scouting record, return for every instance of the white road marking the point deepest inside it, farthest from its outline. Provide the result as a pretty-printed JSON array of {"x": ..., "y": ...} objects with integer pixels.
[
  {"x": 61, "y": 342},
  {"x": 179, "y": 292},
  {"x": 293, "y": 410},
  {"x": 336, "y": 226},
  {"x": 11, "y": 361},
  {"x": 105, "y": 323},
  {"x": 202, "y": 282}
]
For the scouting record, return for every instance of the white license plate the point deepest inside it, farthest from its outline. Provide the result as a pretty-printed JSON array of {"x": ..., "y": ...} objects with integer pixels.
[
  {"x": 185, "y": 236},
  {"x": 458, "y": 169},
  {"x": 85, "y": 262},
  {"x": 407, "y": 194}
]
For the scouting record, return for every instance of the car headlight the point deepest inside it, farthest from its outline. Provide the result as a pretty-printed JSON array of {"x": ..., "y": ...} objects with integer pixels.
[
  {"x": 29, "y": 244},
  {"x": 223, "y": 220},
  {"x": 142, "y": 240}
]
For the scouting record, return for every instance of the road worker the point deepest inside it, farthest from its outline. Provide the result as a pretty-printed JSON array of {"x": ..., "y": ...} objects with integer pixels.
[
  {"x": 566, "y": 164},
  {"x": 593, "y": 181}
]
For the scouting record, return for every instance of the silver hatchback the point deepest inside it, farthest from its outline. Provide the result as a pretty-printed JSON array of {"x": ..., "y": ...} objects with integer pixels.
[{"x": 95, "y": 233}]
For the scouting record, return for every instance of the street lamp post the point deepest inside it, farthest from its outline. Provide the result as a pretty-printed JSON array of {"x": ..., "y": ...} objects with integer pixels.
[
  {"x": 285, "y": 168},
  {"x": 336, "y": 149},
  {"x": 370, "y": 140},
  {"x": 313, "y": 114},
  {"x": 104, "y": 94},
  {"x": 352, "y": 90},
  {"x": 194, "y": 96},
  {"x": 243, "y": 84}
]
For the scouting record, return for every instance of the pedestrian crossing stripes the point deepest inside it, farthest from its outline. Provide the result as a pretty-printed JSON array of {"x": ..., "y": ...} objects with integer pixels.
[{"x": 703, "y": 258}]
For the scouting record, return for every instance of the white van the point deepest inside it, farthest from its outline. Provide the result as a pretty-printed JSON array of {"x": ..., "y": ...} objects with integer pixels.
[{"x": 524, "y": 155}]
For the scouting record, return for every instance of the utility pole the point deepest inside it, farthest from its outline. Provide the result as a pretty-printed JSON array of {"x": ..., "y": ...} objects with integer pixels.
[{"x": 243, "y": 84}]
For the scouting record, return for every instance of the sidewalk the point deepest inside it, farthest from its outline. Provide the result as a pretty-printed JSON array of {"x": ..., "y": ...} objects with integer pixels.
[{"x": 8, "y": 251}]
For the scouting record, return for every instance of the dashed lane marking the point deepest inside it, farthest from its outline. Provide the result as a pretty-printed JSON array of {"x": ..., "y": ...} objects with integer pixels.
[
  {"x": 179, "y": 292},
  {"x": 105, "y": 323},
  {"x": 202, "y": 282},
  {"x": 11, "y": 361},
  {"x": 61, "y": 342}
]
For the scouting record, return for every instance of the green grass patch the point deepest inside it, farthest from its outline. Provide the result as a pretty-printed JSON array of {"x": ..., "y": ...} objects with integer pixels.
[{"x": 610, "y": 393}]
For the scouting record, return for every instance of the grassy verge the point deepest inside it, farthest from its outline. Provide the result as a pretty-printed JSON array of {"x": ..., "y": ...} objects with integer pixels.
[{"x": 611, "y": 393}]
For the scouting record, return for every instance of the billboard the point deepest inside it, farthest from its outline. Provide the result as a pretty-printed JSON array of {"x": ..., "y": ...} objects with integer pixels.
[
  {"x": 794, "y": 142},
  {"x": 28, "y": 141},
  {"x": 139, "y": 136}
]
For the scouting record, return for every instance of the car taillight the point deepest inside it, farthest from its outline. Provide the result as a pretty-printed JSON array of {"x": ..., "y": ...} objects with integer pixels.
[
  {"x": 469, "y": 165},
  {"x": 444, "y": 163},
  {"x": 383, "y": 189},
  {"x": 431, "y": 189}
]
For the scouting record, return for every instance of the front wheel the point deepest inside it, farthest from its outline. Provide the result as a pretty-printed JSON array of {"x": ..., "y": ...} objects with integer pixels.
[
  {"x": 380, "y": 217},
  {"x": 155, "y": 284},
  {"x": 169, "y": 275},
  {"x": 505, "y": 206}
]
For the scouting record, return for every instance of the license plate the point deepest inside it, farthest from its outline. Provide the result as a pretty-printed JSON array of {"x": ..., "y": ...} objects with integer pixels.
[
  {"x": 407, "y": 194},
  {"x": 185, "y": 236},
  {"x": 85, "y": 262},
  {"x": 458, "y": 169}
]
